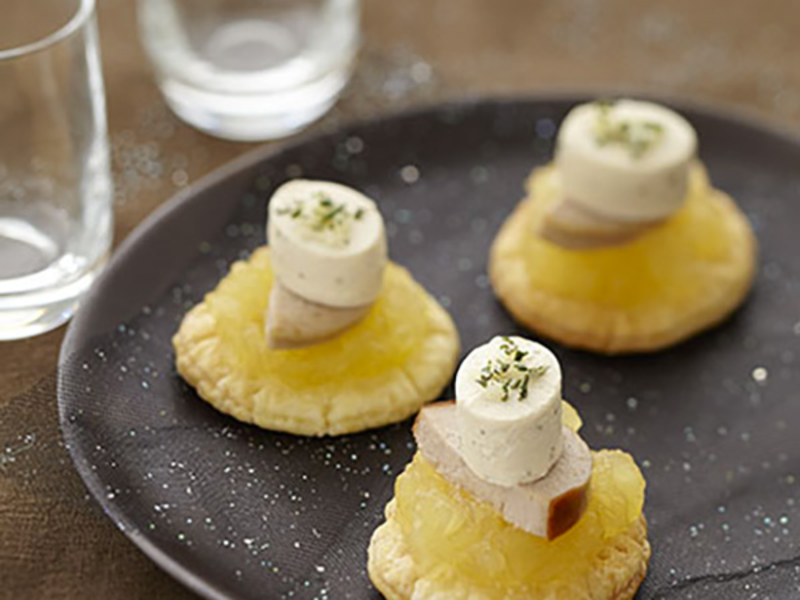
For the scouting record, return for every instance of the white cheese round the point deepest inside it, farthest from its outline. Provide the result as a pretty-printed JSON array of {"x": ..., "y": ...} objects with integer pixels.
[
  {"x": 327, "y": 243},
  {"x": 509, "y": 418},
  {"x": 627, "y": 160}
]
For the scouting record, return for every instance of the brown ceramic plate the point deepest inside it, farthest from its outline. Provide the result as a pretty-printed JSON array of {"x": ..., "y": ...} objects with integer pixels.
[{"x": 236, "y": 512}]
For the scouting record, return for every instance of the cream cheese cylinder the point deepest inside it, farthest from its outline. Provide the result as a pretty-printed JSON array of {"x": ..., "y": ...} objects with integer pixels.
[
  {"x": 327, "y": 243},
  {"x": 508, "y": 411},
  {"x": 627, "y": 160}
]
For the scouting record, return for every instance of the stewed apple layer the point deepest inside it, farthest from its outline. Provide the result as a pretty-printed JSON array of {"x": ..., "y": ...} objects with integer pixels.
[
  {"x": 459, "y": 542},
  {"x": 398, "y": 324},
  {"x": 668, "y": 265}
]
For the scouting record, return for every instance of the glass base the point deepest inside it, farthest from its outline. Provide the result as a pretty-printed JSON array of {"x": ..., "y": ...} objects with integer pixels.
[
  {"x": 36, "y": 312},
  {"x": 255, "y": 116}
]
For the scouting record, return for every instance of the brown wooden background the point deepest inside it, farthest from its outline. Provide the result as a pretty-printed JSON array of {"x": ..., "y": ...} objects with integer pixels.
[{"x": 54, "y": 543}]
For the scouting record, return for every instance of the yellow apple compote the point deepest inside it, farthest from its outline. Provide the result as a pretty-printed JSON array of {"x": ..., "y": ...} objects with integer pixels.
[
  {"x": 395, "y": 327},
  {"x": 667, "y": 266},
  {"x": 459, "y": 542}
]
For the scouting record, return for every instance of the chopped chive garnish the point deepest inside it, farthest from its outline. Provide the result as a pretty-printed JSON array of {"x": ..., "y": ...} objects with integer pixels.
[
  {"x": 512, "y": 375},
  {"x": 637, "y": 136},
  {"x": 325, "y": 217}
]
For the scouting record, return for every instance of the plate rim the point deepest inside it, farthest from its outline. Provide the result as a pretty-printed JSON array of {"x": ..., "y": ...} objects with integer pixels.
[{"x": 196, "y": 582}]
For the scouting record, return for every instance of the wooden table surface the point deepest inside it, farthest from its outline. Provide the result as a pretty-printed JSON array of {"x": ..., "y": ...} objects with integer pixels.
[{"x": 54, "y": 542}]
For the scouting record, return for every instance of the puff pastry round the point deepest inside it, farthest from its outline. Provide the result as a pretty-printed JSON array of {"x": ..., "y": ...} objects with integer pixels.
[
  {"x": 380, "y": 371},
  {"x": 672, "y": 282},
  {"x": 614, "y": 573}
]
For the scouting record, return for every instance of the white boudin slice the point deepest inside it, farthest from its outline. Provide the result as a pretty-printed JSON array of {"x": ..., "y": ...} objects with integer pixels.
[
  {"x": 328, "y": 252},
  {"x": 575, "y": 227},
  {"x": 328, "y": 243},
  {"x": 625, "y": 160},
  {"x": 546, "y": 508},
  {"x": 294, "y": 322},
  {"x": 508, "y": 399}
]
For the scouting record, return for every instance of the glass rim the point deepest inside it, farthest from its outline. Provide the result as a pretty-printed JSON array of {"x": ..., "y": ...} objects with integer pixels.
[{"x": 75, "y": 22}]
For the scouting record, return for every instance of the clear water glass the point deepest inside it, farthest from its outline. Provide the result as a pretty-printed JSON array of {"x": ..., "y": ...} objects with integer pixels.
[
  {"x": 55, "y": 182},
  {"x": 250, "y": 70}
]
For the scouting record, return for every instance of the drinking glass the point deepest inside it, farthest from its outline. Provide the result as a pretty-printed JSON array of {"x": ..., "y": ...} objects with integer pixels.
[
  {"x": 250, "y": 69},
  {"x": 55, "y": 184}
]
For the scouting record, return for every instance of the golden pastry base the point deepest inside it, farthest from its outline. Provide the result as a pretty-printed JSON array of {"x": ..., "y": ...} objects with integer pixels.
[
  {"x": 380, "y": 371},
  {"x": 617, "y": 575},
  {"x": 706, "y": 282}
]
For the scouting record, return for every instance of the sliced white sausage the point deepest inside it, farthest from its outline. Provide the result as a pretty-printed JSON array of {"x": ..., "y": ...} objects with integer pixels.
[
  {"x": 546, "y": 508},
  {"x": 328, "y": 253},
  {"x": 328, "y": 243},
  {"x": 573, "y": 226},
  {"x": 294, "y": 322},
  {"x": 508, "y": 410},
  {"x": 627, "y": 160}
]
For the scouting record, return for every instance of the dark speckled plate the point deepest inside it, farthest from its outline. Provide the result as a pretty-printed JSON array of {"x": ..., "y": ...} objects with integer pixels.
[{"x": 236, "y": 512}]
